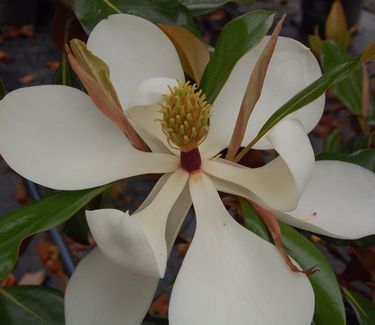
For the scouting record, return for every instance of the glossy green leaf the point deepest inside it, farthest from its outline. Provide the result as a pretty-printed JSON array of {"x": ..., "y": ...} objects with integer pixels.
[
  {"x": 2, "y": 90},
  {"x": 77, "y": 227},
  {"x": 200, "y": 7},
  {"x": 364, "y": 158},
  {"x": 329, "y": 307},
  {"x": 363, "y": 308},
  {"x": 237, "y": 38},
  {"x": 349, "y": 91},
  {"x": 36, "y": 217},
  {"x": 332, "y": 142},
  {"x": 31, "y": 305},
  {"x": 304, "y": 97},
  {"x": 90, "y": 12}
]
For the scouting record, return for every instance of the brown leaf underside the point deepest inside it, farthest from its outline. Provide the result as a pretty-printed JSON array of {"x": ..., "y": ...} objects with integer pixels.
[
  {"x": 102, "y": 99},
  {"x": 253, "y": 91},
  {"x": 274, "y": 228}
]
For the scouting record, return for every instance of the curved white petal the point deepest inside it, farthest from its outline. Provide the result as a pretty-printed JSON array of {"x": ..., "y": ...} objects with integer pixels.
[
  {"x": 103, "y": 292},
  {"x": 292, "y": 68},
  {"x": 338, "y": 201},
  {"x": 289, "y": 139},
  {"x": 144, "y": 107},
  {"x": 55, "y": 136},
  {"x": 135, "y": 50},
  {"x": 138, "y": 241},
  {"x": 231, "y": 276},
  {"x": 271, "y": 184}
]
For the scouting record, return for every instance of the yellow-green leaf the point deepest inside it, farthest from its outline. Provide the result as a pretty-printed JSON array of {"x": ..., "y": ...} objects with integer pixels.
[
  {"x": 94, "y": 66},
  {"x": 369, "y": 53},
  {"x": 336, "y": 25}
]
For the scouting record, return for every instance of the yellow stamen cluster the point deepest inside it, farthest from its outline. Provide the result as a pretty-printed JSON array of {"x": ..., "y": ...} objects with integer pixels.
[{"x": 185, "y": 116}]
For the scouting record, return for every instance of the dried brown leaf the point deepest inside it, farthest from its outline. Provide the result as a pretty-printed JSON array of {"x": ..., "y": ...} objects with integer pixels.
[
  {"x": 5, "y": 57},
  {"x": 27, "y": 79},
  {"x": 53, "y": 65},
  {"x": 35, "y": 278}
]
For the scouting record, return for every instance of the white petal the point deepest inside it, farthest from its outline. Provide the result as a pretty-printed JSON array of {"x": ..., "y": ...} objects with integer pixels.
[
  {"x": 135, "y": 50},
  {"x": 138, "y": 241},
  {"x": 271, "y": 184},
  {"x": 292, "y": 68},
  {"x": 144, "y": 108},
  {"x": 55, "y": 136},
  {"x": 231, "y": 276},
  {"x": 103, "y": 292},
  {"x": 290, "y": 141},
  {"x": 338, "y": 201}
]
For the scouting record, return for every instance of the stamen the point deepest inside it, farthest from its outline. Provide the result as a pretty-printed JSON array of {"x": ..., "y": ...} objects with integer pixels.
[{"x": 185, "y": 116}]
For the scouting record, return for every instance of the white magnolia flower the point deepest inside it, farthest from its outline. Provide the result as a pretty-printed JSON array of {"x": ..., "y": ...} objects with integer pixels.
[{"x": 55, "y": 136}]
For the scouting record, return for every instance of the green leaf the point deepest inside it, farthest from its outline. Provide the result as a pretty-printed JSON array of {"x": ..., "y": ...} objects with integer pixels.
[
  {"x": 2, "y": 90},
  {"x": 304, "y": 97},
  {"x": 329, "y": 307},
  {"x": 237, "y": 38},
  {"x": 349, "y": 91},
  {"x": 66, "y": 76},
  {"x": 363, "y": 308},
  {"x": 90, "y": 12},
  {"x": 332, "y": 142},
  {"x": 364, "y": 158},
  {"x": 31, "y": 305},
  {"x": 200, "y": 7},
  {"x": 77, "y": 227},
  {"x": 36, "y": 217}
]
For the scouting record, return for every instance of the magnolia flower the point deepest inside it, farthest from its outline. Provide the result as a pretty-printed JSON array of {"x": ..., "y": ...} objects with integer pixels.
[{"x": 59, "y": 139}]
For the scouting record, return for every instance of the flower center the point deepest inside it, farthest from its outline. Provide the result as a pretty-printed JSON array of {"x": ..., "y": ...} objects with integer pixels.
[
  {"x": 191, "y": 161},
  {"x": 185, "y": 117}
]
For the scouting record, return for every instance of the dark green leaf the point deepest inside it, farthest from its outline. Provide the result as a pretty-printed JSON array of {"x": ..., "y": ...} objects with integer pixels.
[
  {"x": 31, "y": 305},
  {"x": 332, "y": 142},
  {"x": 360, "y": 142},
  {"x": 2, "y": 90},
  {"x": 90, "y": 12},
  {"x": 66, "y": 76},
  {"x": 364, "y": 309},
  {"x": 310, "y": 93},
  {"x": 364, "y": 158},
  {"x": 349, "y": 91},
  {"x": 77, "y": 227},
  {"x": 36, "y": 217},
  {"x": 304, "y": 97},
  {"x": 237, "y": 38},
  {"x": 200, "y": 7},
  {"x": 329, "y": 307}
]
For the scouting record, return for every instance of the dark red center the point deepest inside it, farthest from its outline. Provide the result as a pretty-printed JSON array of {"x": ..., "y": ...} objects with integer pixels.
[{"x": 191, "y": 161}]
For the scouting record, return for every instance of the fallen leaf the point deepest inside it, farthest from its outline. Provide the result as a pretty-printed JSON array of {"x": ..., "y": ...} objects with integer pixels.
[
  {"x": 5, "y": 57},
  {"x": 21, "y": 195},
  {"x": 27, "y": 31},
  {"x": 160, "y": 305},
  {"x": 53, "y": 65},
  {"x": 12, "y": 31},
  {"x": 27, "y": 79},
  {"x": 35, "y": 278}
]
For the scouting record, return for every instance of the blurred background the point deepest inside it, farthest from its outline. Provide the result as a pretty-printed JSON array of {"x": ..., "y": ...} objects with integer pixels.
[{"x": 30, "y": 54}]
